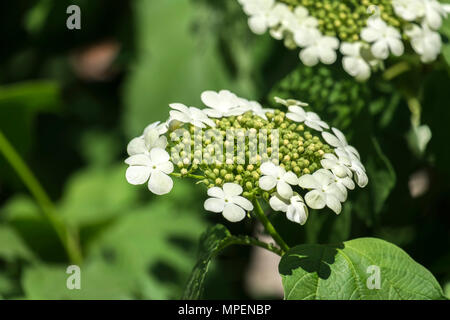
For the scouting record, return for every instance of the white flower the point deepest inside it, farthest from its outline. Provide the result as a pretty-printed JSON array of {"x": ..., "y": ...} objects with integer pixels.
[
  {"x": 295, "y": 208},
  {"x": 355, "y": 165},
  {"x": 156, "y": 166},
  {"x": 303, "y": 19},
  {"x": 290, "y": 102},
  {"x": 353, "y": 63},
  {"x": 310, "y": 119},
  {"x": 409, "y": 10},
  {"x": 261, "y": 14},
  {"x": 254, "y": 107},
  {"x": 190, "y": 115},
  {"x": 296, "y": 22},
  {"x": 336, "y": 165},
  {"x": 160, "y": 127},
  {"x": 228, "y": 201},
  {"x": 222, "y": 104},
  {"x": 425, "y": 42},
  {"x": 149, "y": 140},
  {"x": 347, "y": 155},
  {"x": 434, "y": 11},
  {"x": 284, "y": 17},
  {"x": 338, "y": 140},
  {"x": 273, "y": 175},
  {"x": 324, "y": 191},
  {"x": 317, "y": 48},
  {"x": 384, "y": 38}
]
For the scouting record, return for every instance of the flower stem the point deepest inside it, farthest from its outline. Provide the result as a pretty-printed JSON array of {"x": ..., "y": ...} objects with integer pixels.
[
  {"x": 250, "y": 241},
  {"x": 415, "y": 108},
  {"x": 396, "y": 70},
  {"x": 268, "y": 226},
  {"x": 67, "y": 237},
  {"x": 189, "y": 175}
]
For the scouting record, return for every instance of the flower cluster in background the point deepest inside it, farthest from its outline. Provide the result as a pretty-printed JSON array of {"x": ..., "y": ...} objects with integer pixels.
[
  {"x": 308, "y": 165},
  {"x": 365, "y": 32}
]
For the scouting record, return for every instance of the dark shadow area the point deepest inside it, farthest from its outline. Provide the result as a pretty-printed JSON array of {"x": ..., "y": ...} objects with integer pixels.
[{"x": 311, "y": 258}]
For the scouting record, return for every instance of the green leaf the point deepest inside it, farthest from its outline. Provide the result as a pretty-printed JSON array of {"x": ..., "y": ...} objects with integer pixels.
[
  {"x": 175, "y": 62},
  {"x": 12, "y": 246},
  {"x": 382, "y": 179},
  {"x": 19, "y": 103},
  {"x": 98, "y": 281},
  {"x": 341, "y": 272},
  {"x": 212, "y": 241},
  {"x": 96, "y": 195},
  {"x": 154, "y": 243}
]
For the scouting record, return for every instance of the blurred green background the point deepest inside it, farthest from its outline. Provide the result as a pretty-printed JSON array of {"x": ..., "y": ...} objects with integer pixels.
[{"x": 70, "y": 100}]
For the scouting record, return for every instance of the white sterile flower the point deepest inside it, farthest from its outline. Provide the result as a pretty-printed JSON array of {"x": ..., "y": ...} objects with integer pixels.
[
  {"x": 353, "y": 62},
  {"x": 228, "y": 201},
  {"x": 295, "y": 208},
  {"x": 409, "y": 10},
  {"x": 254, "y": 107},
  {"x": 222, "y": 104},
  {"x": 153, "y": 168},
  {"x": 383, "y": 37},
  {"x": 324, "y": 191},
  {"x": 160, "y": 127},
  {"x": 284, "y": 17},
  {"x": 296, "y": 22},
  {"x": 434, "y": 11},
  {"x": 317, "y": 48},
  {"x": 260, "y": 14},
  {"x": 276, "y": 176},
  {"x": 338, "y": 140},
  {"x": 337, "y": 165},
  {"x": 290, "y": 102},
  {"x": 149, "y": 140},
  {"x": 310, "y": 119},
  {"x": 425, "y": 42},
  {"x": 190, "y": 115},
  {"x": 355, "y": 165}
]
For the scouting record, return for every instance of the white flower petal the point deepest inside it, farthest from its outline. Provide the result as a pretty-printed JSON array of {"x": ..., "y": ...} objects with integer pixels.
[
  {"x": 158, "y": 155},
  {"x": 334, "y": 204},
  {"x": 267, "y": 182},
  {"x": 277, "y": 203},
  {"x": 232, "y": 189},
  {"x": 136, "y": 146},
  {"x": 307, "y": 181},
  {"x": 214, "y": 204},
  {"x": 233, "y": 213},
  {"x": 284, "y": 189},
  {"x": 138, "y": 160},
  {"x": 315, "y": 199},
  {"x": 269, "y": 169},
  {"x": 137, "y": 174},
  {"x": 290, "y": 178},
  {"x": 159, "y": 183},
  {"x": 243, "y": 202},
  {"x": 216, "y": 192}
]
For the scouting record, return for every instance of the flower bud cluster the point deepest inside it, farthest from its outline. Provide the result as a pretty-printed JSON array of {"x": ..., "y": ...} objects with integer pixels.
[
  {"x": 242, "y": 151},
  {"x": 366, "y": 32}
]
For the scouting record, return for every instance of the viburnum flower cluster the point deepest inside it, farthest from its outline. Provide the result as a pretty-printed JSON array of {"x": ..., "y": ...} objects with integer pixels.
[
  {"x": 305, "y": 163},
  {"x": 366, "y": 32}
]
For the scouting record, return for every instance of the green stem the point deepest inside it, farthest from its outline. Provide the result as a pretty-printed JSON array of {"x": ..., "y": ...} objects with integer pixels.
[
  {"x": 250, "y": 241},
  {"x": 189, "y": 175},
  {"x": 396, "y": 70},
  {"x": 268, "y": 226},
  {"x": 66, "y": 236},
  {"x": 415, "y": 108}
]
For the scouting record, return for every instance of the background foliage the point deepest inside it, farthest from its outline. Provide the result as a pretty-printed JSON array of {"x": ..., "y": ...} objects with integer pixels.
[{"x": 70, "y": 100}]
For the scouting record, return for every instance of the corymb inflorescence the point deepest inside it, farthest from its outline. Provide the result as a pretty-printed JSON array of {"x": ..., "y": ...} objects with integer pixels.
[
  {"x": 366, "y": 32},
  {"x": 242, "y": 152}
]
